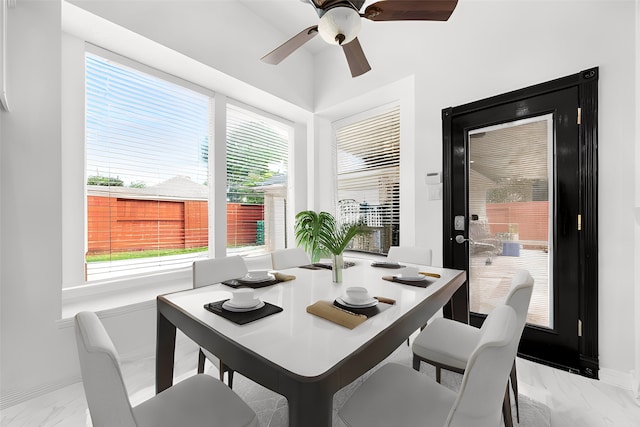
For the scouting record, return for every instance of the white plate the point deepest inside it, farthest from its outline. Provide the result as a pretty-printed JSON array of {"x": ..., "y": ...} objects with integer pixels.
[
  {"x": 228, "y": 307},
  {"x": 371, "y": 303},
  {"x": 249, "y": 279},
  {"x": 249, "y": 304},
  {"x": 411, "y": 278}
]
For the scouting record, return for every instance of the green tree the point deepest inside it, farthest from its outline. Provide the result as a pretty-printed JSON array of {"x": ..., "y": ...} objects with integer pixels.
[
  {"x": 106, "y": 181},
  {"x": 249, "y": 157}
]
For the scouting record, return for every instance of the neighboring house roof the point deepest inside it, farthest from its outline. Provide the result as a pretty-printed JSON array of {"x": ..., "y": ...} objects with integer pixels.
[
  {"x": 176, "y": 188},
  {"x": 275, "y": 184}
]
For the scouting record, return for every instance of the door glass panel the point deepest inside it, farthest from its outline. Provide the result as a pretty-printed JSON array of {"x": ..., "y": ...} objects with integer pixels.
[{"x": 510, "y": 197}]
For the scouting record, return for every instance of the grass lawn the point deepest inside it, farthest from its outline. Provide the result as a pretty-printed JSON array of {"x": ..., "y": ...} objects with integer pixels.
[{"x": 117, "y": 256}]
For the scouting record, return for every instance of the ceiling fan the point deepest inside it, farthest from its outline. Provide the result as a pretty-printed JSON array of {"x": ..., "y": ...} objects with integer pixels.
[{"x": 340, "y": 24}]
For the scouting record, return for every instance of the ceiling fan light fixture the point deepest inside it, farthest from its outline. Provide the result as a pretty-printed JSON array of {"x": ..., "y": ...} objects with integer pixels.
[{"x": 339, "y": 25}]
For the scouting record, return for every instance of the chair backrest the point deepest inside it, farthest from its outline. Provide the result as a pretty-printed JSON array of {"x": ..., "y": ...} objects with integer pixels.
[
  {"x": 215, "y": 270},
  {"x": 410, "y": 254},
  {"x": 484, "y": 383},
  {"x": 289, "y": 258},
  {"x": 104, "y": 387},
  {"x": 519, "y": 296},
  {"x": 259, "y": 262}
]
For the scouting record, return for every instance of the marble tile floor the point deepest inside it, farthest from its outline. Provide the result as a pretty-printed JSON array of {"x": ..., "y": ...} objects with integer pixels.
[{"x": 565, "y": 399}]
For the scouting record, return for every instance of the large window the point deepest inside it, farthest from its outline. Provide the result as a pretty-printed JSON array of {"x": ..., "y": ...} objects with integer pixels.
[
  {"x": 148, "y": 197},
  {"x": 257, "y": 165},
  {"x": 368, "y": 181},
  {"x": 146, "y": 171}
]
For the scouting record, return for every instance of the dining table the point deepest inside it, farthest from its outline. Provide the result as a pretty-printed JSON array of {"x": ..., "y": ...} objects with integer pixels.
[{"x": 300, "y": 355}]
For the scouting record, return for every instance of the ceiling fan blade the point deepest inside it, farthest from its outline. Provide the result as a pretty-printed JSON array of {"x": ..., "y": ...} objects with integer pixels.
[
  {"x": 358, "y": 63},
  {"x": 410, "y": 10},
  {"x": 287, "y": 48}
]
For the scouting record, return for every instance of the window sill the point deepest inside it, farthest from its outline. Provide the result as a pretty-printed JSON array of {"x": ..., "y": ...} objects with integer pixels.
[{"x": 118, "y": 296}]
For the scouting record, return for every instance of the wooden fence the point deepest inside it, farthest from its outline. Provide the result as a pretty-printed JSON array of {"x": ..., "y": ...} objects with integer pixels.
[{"x": 118, "y": 224}]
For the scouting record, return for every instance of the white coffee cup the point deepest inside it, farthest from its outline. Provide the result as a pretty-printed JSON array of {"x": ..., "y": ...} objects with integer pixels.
[
  {"x": 408, "y": 272},
  {"x": 358, "y": 294},
  {"x": 243, "y": 297}
]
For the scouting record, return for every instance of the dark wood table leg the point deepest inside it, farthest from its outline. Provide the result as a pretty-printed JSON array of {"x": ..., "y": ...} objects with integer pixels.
[
  {"x": 165, "y": 353},
  {"x": 310, "y": 408}
]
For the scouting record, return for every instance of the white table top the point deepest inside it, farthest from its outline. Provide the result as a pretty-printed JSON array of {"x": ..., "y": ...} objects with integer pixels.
[{"x": 300, "y": 342}]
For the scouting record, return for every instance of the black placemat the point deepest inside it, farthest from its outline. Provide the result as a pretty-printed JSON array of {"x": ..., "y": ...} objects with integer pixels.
[
  {"x": 244, "y": 317},
  {"x": 311, "y": 267},
  {"x": 239, "y": 283},
  {"x": 369, "y": 311},
  {"x": 387, "y": 265},
  {"x": 419, "y": 283},
  {"x": 328, "y": 265}
]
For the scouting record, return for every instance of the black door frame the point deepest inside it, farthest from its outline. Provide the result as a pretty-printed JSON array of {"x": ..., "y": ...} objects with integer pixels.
[{"x": 587, "y": 84}]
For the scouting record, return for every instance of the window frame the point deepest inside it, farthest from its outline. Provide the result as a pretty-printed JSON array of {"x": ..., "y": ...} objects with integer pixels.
[
  {"x": 126, "y": 63},
  {"x": 74, "y": 286}
]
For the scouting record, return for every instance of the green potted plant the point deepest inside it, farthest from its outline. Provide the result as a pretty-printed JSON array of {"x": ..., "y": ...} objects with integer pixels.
[{"x": 321, "y": 235}]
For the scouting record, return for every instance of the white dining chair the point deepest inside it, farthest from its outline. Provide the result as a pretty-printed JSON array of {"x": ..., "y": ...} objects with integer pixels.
[
  {"x": 396, "y": 395},
  {"x": 447, "y": 344},
  {"x": 200, "y": 400},
  {"x": 289, "y": 258},
  {"x": 208, "y": 272},
  {"x": 258, "y": 262},
  {"x": 410, "y": 254}
]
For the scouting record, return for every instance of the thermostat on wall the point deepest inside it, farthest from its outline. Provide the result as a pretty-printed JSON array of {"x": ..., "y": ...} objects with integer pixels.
[{"x": 433, "y": 178}]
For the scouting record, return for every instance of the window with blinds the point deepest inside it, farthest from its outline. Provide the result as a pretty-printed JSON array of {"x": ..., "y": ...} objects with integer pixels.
[
  {"x": 257, "y": 178},
  {"x": 146, "y": 171},
  {"x": 368, "y": 179}
]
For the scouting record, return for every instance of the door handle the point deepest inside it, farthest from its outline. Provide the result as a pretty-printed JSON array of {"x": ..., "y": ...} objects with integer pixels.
[{"x": 460, "y": 239}]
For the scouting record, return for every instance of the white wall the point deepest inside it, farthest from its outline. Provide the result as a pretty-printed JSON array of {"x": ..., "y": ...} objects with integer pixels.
[
  {"x": 31, "y": 200},
  {"x": 491, "y": 47}
]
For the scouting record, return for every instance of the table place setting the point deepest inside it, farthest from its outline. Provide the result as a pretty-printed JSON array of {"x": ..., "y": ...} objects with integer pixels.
[
  {"x": 413, "y": 277},
  {"x": 258, "y": 279},
  {"x": 387, "y": 264},
  {"x": 352, "y": 308},
  {"x": 243, "y": 307}
]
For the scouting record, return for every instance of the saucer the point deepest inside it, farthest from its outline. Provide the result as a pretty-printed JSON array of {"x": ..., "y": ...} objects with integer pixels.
[
  {"x": 243, "y": 304},
  {"x": 256, "y": 279},
  {"x": 228, "y": 307},
  {"x": 344, "y": 300}
]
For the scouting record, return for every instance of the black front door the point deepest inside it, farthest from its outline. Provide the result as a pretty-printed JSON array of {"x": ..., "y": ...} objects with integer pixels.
[{"x": 520, "y": 185}]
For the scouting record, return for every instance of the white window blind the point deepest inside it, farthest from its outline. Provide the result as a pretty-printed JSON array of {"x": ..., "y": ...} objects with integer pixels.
[
  {"x": 257, "y": 181},
  {"x": 147, "y": 169},
  {"x": 368, "y": 181}
]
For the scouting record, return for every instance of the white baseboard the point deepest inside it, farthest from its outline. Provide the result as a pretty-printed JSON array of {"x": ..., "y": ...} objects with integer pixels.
[
  {"x": 624, "y": 380},
  {"x": 14, "y": 397}
]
